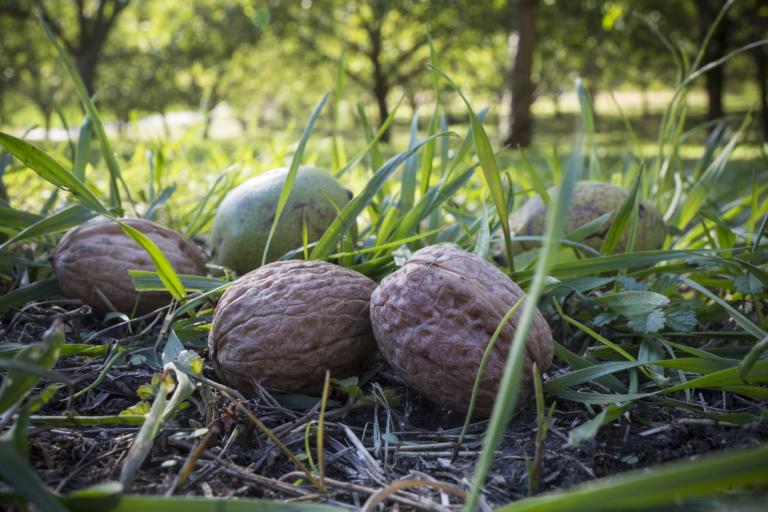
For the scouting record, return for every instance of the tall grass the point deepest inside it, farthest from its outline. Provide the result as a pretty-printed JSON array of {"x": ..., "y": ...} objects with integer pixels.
[{"x": 642, "y": 314}]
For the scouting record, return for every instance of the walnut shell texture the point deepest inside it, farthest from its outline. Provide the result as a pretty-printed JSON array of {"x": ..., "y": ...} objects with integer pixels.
[
  {"x": 97, "y": 255},
  {"x": 591, "y": 199},
  {"x": 434, "y": 316},
  {"x": 285, "y": 323}
]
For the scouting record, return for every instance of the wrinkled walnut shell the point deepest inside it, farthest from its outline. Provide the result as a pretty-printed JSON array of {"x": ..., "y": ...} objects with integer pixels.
[
  {"x": 433, "y": 318},
  {"x": 96, "y": 257},
  {"x": 287, "y": 322}
]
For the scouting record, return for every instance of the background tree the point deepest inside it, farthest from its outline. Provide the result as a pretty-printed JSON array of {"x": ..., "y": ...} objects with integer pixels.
[
  {"x": 83, "y": 27},
  {"x": 385, "y": 41},
  {"x": 518, "y": 95}
]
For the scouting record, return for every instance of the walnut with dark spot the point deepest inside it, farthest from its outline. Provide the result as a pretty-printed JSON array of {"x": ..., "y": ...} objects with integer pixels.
[
  {"x": 92, "y": 262},
  {"x": 286, "y": 323},
  {"x": 434, "y": 317}
]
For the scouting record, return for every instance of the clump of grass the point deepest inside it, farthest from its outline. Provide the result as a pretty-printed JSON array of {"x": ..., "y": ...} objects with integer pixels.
[{"x": 643, "y": 317}]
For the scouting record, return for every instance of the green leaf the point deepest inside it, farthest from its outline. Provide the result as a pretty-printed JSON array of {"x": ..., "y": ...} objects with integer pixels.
[
  {"x": 428, "y": 203},
  {"x": 669, "y": 483},
  {"x": 43, "y": 355},
  {"x": 100, "y": 497},
  {"x": 408, "y": 180},
  {"x": 16, "y": 219},
  {"x": 55, "y": 223},
  {"x": 164, "y": 269},
  {"x": 632, "y": 304},
  {"x": 489, "y": 165},
  {"x": 132, "y": 503},
  {"x": 83, "y": 153},
  {"x": 626, "y": 212},
  {"x": 148, "y": 281},
  {"x": 51, "y": 171},
  {"x": 347, "y": 216},
  {"x": 737, "y": 316},
  {"x": 106, "y": 148},
  {"x": 19, "y": 475},
  {"x": 144, "y": 440},
  {"x": 509, "y": 385},
  {"x": 708, "y": 182},
  {"x": 8, "y": 259},
  {"x": 651, "y": 322},
  {"x": 681, "y": 319},
  {"x": 589, "y": 429},
  {"x": 291, "y": 176},
  {"x": 36, "y": 291}
]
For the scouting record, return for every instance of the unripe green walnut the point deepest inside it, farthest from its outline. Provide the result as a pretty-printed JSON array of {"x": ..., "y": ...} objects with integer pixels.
[
  {"x": 245, "y": 216},
  {"x": 591, "y": 199}
]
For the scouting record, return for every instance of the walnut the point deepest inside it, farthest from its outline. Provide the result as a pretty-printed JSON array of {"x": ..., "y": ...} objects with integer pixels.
[
  {"x": 434, "y": 317},
  {"x": 287, "y": 322},
  {"x": 92, "y": 262}
]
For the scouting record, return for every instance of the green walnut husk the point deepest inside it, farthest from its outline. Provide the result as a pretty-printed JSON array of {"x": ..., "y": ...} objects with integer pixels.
[
  {"x": 591, "y": 199},
  {"x": 245, "y": 216}
]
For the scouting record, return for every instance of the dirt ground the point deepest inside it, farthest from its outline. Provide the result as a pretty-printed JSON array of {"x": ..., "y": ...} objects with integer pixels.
[{"x": 366, "y": 446}]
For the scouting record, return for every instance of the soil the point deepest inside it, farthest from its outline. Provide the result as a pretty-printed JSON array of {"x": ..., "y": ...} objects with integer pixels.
[{"x": 367, "y": 446}]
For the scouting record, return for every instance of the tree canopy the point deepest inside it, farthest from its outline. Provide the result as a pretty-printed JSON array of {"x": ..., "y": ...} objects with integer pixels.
[{"x": 279, "y": 56}]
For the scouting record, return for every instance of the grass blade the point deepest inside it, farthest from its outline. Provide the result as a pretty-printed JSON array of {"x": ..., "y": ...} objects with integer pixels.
[
  {"x": 83, "y": 153},
  {"x": 17, "y": 472},
  {"x": 52, "y": 171},
  {"x": 489, "y": 166},
  {"x": 164, "y": 269},
  {"x": 737, "y": 316},
  {"x": 347, "y": 216},
  {"x": 508, "y": 388},
  {"x": 291, "y": 177},
  {"x": 55, "y": 223},
  {"x": 36, "y": 291},
  {"x": 627, "y": 212},
  {"x": 408, "y": 181},
  {"x": 666, "y": 484},
  {"x": 106, "y": 148}
]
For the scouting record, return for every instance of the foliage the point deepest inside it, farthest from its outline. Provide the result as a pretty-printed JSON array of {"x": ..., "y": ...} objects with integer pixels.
[{"x": 633, "y": 327}]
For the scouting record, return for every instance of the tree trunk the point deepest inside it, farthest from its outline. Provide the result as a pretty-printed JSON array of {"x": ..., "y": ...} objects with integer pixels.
[
  {"x": 86, "y": 60},
  {"x": 47, "y": 113},
  {"x": 718, "y": 44},
  {"x": 380, "y": 82},
  {"x": 761, "y": 74},
  {"x": 646, "y": 103},
  {"x": 380, "y": 90},
  {"x": 517, "y": 120},
  {"x": 556, "y": 105}
]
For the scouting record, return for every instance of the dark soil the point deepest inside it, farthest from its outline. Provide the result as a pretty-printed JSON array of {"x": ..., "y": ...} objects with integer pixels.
[{"x": 367, "y": 446}]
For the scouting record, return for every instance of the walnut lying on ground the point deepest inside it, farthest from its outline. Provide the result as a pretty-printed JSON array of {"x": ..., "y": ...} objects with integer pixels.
[
  {"x": 92, "y": 262},
  {"x": 286, "y": 323},
  {"x": 434, "y": 317},
  {"x": 591, "y": 199}
]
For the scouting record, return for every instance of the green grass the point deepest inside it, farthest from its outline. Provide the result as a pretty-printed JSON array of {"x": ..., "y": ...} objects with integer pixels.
[{"x": 643, "y": 314}]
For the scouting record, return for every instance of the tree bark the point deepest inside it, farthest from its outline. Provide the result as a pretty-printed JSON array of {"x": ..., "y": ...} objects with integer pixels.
[
  {"x": 718, "y": 44},
  {"x": 761, "y": 74},
  {"x": 93, "y": 33},
  {"x": 381, "y": 84},
  {"x": 86, "y": 60},
  {"x": 517, "y": 120}
]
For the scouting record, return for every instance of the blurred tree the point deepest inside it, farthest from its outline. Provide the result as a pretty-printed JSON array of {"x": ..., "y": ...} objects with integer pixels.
[
  {"x": 518, "y": 95},
  {"x": 708, "y": 11},
  {"x": 385, "y": 41},
  {"x": 30, "y": 70},
  {"x": 82, "y": 27},
  {"x": 752, "y": 26},
  {"x": 175, "y": 54}
]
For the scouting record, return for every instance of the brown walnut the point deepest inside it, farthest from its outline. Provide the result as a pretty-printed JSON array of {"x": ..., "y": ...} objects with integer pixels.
[
  {"x": 434, "y": 317},
  {"x": 94, "y": 259},
  {"x": 285, "y": 323}
]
